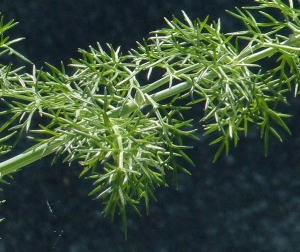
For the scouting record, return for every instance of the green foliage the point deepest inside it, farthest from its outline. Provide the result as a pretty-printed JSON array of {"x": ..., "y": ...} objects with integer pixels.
[{"x": 126, "y": 125}]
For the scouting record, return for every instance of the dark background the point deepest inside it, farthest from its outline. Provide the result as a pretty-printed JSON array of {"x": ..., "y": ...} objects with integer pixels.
[{"x": 243, "y": 202}]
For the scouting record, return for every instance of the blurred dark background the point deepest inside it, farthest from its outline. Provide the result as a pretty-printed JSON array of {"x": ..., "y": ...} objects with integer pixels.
[{"x": 243, "y": 202}]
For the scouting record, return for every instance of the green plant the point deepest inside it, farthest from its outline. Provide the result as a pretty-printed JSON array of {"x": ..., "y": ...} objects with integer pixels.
[{"x": 127, "y": 129}]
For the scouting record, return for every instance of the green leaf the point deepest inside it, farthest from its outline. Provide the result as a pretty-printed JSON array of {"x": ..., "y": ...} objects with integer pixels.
[
  {"x": 220, "y": 149},
  {"x": 277, "y": 118}
]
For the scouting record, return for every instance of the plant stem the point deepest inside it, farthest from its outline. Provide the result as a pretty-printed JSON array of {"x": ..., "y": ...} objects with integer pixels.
[
  {"x": 161, "y": 95},
  {"x": 13, "y": 164},
  {"x": 254, "y": 57}
]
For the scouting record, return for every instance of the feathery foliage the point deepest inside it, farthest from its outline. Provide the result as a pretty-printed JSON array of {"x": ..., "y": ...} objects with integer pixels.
[{"x": 126, "y": 125}]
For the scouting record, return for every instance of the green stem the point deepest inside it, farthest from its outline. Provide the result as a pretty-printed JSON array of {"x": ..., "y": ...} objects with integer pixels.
[
  {"x": 13, "y": 164},
  {"x": 159, "y": 96},
  {"x": 165, "y": 79},
  {"x": 254, "y": 57}
]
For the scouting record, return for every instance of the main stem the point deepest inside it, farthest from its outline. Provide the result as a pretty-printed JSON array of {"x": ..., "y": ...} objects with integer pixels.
[{"x": 28, "y": 157}]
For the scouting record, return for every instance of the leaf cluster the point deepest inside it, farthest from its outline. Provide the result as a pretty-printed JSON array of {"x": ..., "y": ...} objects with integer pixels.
[{"x": 125, "y": 124}]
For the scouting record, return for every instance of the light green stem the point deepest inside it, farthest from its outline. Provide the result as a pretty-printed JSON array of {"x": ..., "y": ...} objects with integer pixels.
[{"x": 13, "y": 164}]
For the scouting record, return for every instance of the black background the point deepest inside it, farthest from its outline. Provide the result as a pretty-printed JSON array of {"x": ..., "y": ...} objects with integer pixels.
[{"x": 243, "y": 202}]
